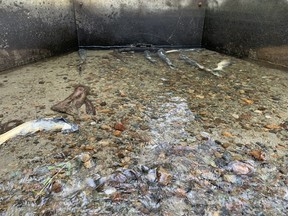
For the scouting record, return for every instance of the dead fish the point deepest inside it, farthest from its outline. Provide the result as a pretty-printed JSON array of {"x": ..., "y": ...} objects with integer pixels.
[
  {"x": 161, "y": 54},
  {"x": 81, "y": 64},
  {"x": 147, "y": 55},
  {"x": 196, "y": 64},
  {"x": 82, "y": 54},
  {"x": 224, "y": 63},
  {"x": 42, "y": 124},
  {"x": 190, "y": 61},
  {"x": 181, "y": 50}
]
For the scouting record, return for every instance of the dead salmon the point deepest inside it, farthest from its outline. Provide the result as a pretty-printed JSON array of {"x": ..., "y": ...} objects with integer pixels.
[{"x": 42, "y": 124}]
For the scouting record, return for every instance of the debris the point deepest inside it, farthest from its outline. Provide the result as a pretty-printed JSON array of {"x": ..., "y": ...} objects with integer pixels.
[
  {"x": 44, "y": 124},
  {"x": 72, "y": 103}
]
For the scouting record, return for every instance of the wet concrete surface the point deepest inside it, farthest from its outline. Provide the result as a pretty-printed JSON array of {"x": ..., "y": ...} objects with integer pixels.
[{"x": 163, "y": 141}]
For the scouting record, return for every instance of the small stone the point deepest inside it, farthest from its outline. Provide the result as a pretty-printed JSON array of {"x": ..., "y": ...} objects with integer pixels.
[
  {"x": 258, "y": 111},
  {"x": 85, "y": 157},
  {"x": 119, "y": 126},
  {"x": 88, "y": 147},
  {"x": 235, "y": 116},
  {"x": 247, "y": 101},
  {"x": 227, "y": 134},
  {"x": 272, "y": 126},
  {"x": 241, "y": 168},
  {"x": 122, "y": 93},
  {"x": 230, "y": 178},
  {"x": 257, "y": 154},
  {"x": 217, "y": 154},
  {"x": 163, "y": 177},
  {"x": 180, "y": 192},
  {"x": 225, "y": 145},
  {"x": 103, "y": 103},
  {"x": 105, "y": 111},
  {"x": 116, "y": 132},
  {"x": 105, "y": 127},
  {"x": 241, "y": 91},
  {"x": 200, "y": 96},
  {"x": 88, "y": 164},
  {"x": 56, "y": 187}
]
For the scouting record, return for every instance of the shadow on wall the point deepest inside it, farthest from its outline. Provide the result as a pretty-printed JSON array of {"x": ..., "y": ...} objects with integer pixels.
[{"x": 248, "y": 28}]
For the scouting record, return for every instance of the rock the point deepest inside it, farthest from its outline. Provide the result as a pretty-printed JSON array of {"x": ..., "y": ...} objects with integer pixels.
[
  {"x": 230, "y": 178},
  {"x": 272, "y": 126},
  {"x": 119, "y": 126},
  {"x": 85, "y": 157},
  {"x": 227, "y": 134},
  {"x": 257, "y": 154},
  {"x": 116, "y": 132},
  {"x": 241, "y": 168},
  {"x": 105, "y": 127},
  {"x": 56, "y": 187},
  {"x": 163, "y": 177},
  {"x": 247, "y": 101}
]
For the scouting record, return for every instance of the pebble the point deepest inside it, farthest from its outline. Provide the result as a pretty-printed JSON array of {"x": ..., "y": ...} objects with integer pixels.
[
  {"x": 230, "y": 178},
  {"x": 163, "y": 176},
  {"x": 241, "y": 168},
  {"x": 116, "y": 132},
  {"x": 119, "y": 126},
  {"x": 105, "y": 127}
]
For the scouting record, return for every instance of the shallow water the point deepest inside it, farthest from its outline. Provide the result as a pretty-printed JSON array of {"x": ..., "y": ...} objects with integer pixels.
[{"x": 193, "y": 143}]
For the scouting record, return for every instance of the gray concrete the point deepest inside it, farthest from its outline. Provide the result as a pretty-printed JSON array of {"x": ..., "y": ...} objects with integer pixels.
[
  {"x": 123, "y": 22},
  {"x": 35, "y": 29},
  {"x": 244, "y": 27}
]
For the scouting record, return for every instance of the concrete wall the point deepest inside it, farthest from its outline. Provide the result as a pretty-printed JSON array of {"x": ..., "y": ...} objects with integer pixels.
[
  {"x": 254, "y": 28},
  {"x": 34, "y": 29},
  {"x": 123, "y": 22}
]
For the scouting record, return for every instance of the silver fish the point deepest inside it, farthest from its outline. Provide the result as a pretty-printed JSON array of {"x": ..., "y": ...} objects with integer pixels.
[
  {"x": 42, "y": 124},
  {"x": 196, "y": 64},
  {"x": 147, "y": 55},
  {"x": 161, "y": 54},
  {"x": 82, "y": 54}
]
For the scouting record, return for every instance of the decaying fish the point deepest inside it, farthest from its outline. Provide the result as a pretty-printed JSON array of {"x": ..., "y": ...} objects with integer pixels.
[
  {"x": 224, "y": 63},
  {"x": 163, "y": 57},
  {"x": 43, "y": 124},
  {"x": 219, "y": 67},
  {"x": 147, "y": 55},
  {"x": 190, "y": 61},
  {"x": 82, "y": 55},
  {"x": 72, "y": 103}
]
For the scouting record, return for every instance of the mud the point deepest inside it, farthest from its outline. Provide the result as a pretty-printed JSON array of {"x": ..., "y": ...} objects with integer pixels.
[{"x": 163, "y": 141}]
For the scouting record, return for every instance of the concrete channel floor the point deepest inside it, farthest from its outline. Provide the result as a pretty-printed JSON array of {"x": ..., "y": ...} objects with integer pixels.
[{"x": 189, "y": 142}]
